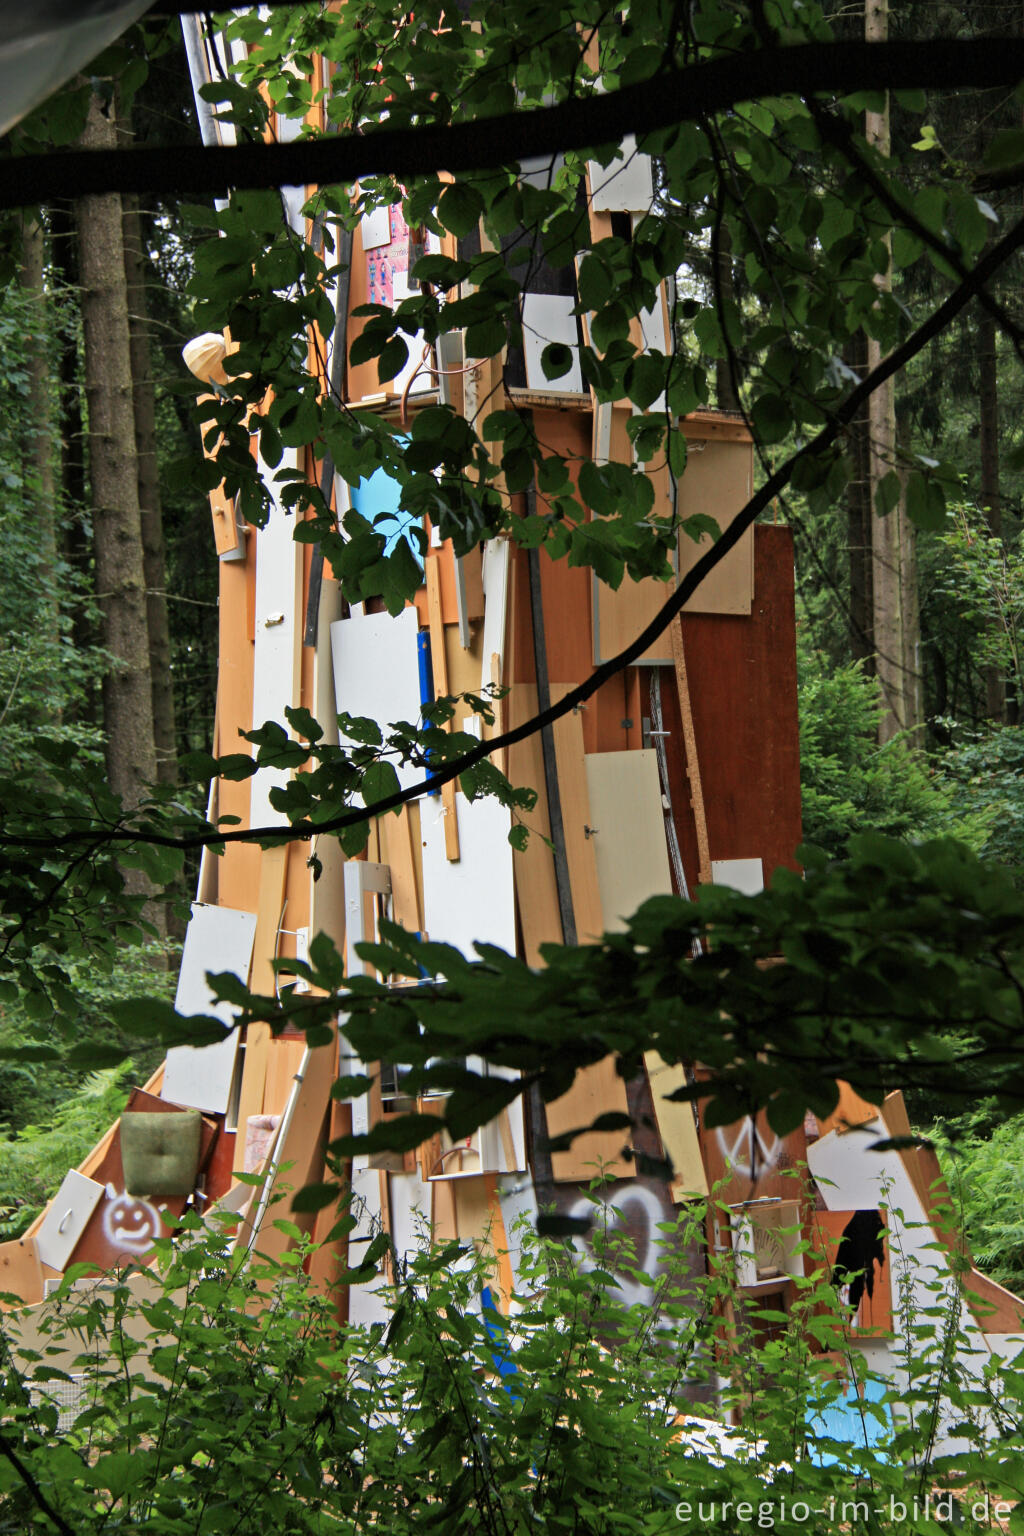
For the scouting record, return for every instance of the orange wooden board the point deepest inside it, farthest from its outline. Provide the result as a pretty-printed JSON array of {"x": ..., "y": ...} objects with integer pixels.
[
  {"x": 875, "y": 1311},
  {"x": 742, "y": 679}
]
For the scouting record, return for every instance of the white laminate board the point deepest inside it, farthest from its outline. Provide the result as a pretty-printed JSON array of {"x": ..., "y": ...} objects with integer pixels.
[
  {"x": 495, "y": 570},
  {"x": 416, "y": 375},
  {"x": 67, "y": 1218},
  {"x": 473, "y": 897},
  {"x": 518, "y": 1200},
  {"x": 410, "y": 1214},
  {"x": 366, "y": 1304},
  {"x": 375, "y": 228},
  {"x": 216, "y": 939},
  {"x": 376, "y": 672},
  {"x": 549, "y": 317},
  {"x": 744, "y": 875},
  {"x": 624, "y": 186},
  {"x": 540, "y": 170},
  {"x": 628, "y": 832},
  {"x": 277, "y": 647}
]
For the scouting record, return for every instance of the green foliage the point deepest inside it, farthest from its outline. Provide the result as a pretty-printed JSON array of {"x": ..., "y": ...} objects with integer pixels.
[
  {"x": 35, "y": 1159},
  {"x": 850, "y": 784},
  {"x": 196, "y": 1411},
  {"x": 985, "y": 770},
  {"x": 983, "y": 1161}
]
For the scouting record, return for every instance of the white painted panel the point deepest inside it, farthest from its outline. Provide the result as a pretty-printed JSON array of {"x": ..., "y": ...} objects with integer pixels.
[
  {"x": 625, "y": 186},
  {"x": 744, "y": 875},
  {"x": 473, "y": 897},
  {"x": 540, "y": 170},
  {"x": 217, "y": 939},
  {"x": 495, "y": 569},
  {"x": 376, "y": 672},
  {"x": 494, "y": 1138},
  {"x": 416, "y": 368},
  {"x": 518, "y": 1200},
  {"x": 375, "y": 228},
  {"x": 549, "y": 317},
  {"x": 652, "y": 328},
  {"x": 628, "y": 832},
  {"x": 278, "y": 636},
  {"x": 67, "y": 1218},
  {"x": 410, "y": 1214},
  {"x": 365, "y": 1303}
]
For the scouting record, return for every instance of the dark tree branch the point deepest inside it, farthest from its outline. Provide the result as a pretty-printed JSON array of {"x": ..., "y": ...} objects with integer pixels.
[
  {"x": 670, "y": 98},
  {"x": 989, "y": 264}
]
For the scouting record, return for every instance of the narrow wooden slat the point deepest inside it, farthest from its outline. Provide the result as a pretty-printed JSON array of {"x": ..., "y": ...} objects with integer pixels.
[
  {"x": 692, "y": 760},
  {"x": 439, "y": 665},
  {"x": 576, "y": 819},
  {"x": 677, "y": 1129},
  {"x": 534, "y": 866},
  {"x": 273, "y": 867}
]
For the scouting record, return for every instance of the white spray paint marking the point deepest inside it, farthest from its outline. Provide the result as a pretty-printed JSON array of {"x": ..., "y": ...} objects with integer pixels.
[{"x": 131, "y": 1224}]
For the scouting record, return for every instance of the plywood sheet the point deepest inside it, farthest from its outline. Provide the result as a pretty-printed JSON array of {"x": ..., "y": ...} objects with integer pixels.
[
  {"x": 534, "y": 866},
  {"x": 718, "y": 481},
  {"x": 376, "y": 672},
  {"x": 21, "y": 1273},
  {"x": 577, "y": 820},
  {"x": 598, "y": 1090},
  {"x": 628, "y": 832},
  {"x": 622, "y": 614},
  {"x": 473, "y": 898},
  {"x": 216, "y": 939}
]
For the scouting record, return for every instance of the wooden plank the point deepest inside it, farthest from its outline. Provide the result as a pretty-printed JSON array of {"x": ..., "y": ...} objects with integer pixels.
[
  {"x": 533, "y": 867},
  {"x": 399, "y": 853},
  {"x": 597, "y": 1090},
  {"x": 473, "y": 1209},
  {"x": 677, "y": 1129},
  {"x": 718, "y": 480},
  {"x": 439, "y": 663},
  {"x": 577, "y": 820},
  {"x": 874, "y": 1314},
  {"x": 996, "y": 1309},
  {"x": 273, "y": 867},
  {"x": 692, "y": 759},
  {"x": 21, "y": 1273},
  {"x": 444, "y": 1220},
  {"x": 852, "y": 1111},
  {"x": 238, "y": 867},
  {"x": 284, "y": 1058},
  {"x": 301, "y": 1146}
]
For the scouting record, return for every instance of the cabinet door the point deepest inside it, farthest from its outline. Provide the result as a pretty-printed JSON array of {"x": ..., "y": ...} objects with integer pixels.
[{"x": 67, "y": 1218}]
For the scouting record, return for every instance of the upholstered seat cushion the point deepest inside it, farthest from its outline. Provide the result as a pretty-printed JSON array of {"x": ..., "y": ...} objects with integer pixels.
[{"x": 160, "y": 1152}]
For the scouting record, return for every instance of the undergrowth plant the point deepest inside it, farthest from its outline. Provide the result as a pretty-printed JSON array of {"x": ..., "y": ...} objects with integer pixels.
[{"x": 216, "y": 1395}]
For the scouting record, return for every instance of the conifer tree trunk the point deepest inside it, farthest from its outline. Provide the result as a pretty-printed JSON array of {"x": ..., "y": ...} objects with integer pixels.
[
  {"x": 894, "y": 556},
  {"x": 858, "y": 523},
  {"x": 40, "y": 448},
  {"x": 151, "y": 513},
  {"x": 991, "y": 500},
  {"x": 113, "y": 466}
]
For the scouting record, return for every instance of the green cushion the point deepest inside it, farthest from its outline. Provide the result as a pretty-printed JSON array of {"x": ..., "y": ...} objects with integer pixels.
[{"x": 160, "y": 1153}]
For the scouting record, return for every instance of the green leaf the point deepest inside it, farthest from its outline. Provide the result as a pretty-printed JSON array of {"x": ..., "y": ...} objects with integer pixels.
[
  {"x": 556, "y": 360},
  {"x": 460, "y": 208},
  {"x": 380, "y": 782}
]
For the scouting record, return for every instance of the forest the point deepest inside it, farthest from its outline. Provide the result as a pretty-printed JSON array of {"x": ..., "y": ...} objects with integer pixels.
[{"x": 813, "y": 238}]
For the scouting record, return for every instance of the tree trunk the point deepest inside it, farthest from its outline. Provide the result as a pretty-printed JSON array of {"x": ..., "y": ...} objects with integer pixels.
[
  {"x": 991, "y": 500},
  {"x": 40, "y": 452},
  {"x": 894, "y": 562},
  {"x": 113, "y": 464},
  {"x": 153, "y": 563},
  {"x": 859, "y": 523}
]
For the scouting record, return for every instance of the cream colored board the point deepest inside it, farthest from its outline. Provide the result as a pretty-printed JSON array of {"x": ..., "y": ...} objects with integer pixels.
[
  {"x": 677, "y": 1128},
  {"x": 363, "y": 882},
  {"x": 472, "y": 899},
  {"x": 67, "y": 1218},
  {"x": 21, "y": 1273},
  {"x": 718, "y": 481},
  {"x": 277, "y": 643},
  {"x": 398, "y": 851},
  {"x": 620, "y": 615},
  {"x": 327, "y": 894},
  {"x": 627, "y": 832}
]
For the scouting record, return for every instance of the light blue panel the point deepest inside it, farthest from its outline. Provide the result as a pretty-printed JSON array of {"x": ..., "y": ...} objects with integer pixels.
[
  {"x": 849, "y": 1421},
  {"x": 377, "y": 499}
]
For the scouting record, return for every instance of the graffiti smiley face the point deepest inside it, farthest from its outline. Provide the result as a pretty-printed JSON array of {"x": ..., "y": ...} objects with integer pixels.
[{"x": 131, "y": 1224}]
